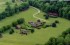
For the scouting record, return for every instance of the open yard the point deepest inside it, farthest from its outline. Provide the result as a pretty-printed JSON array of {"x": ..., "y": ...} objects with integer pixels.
[{"x": 39, "y": 36}]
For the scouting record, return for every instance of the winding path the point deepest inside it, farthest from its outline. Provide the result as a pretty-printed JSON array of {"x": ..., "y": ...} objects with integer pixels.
[
  {"x": 38, "y": 11},
  {"x": 34, "y": 15}
]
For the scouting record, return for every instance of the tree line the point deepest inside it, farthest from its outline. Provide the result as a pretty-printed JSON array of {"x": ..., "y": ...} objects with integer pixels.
[
  {"x": 64, "y": 39},
  {"x": 62, "y": 8},
  {"x": 14, "y": 24},
  {"x": 9, "y": 11}
]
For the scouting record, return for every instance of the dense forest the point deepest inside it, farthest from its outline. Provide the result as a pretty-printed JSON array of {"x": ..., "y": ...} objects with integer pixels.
[
  {"x": 62, "y": 8},
  {"x": 64, "y": 39},
  {"x": 9, "y": 11}
]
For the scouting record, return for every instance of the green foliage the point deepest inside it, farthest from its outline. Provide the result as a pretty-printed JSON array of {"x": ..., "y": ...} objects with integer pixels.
[
  {"x": 32, "y": 30},
  {"x": 20, "y": 21},
  {"x": 9, "y": 11},
  {"x": 53, "y": 24},
  {"x": 14, "y": 24},
  {"x": 66, "y": 32},
  {"x": 56, "y": 21},
  {"x": 11, "y": 31},
  {"x": 64, "y": 39},
  {"x": 46, "y": 17},
  {"x": 8, "y": 26},
  {"x": 52, "y": 41},
  {"x": 1, "y": 35},
  {"x": 59, "y": 7},
  {"x": 13, "y": 1},
  {"x": 68, "y": 15}
]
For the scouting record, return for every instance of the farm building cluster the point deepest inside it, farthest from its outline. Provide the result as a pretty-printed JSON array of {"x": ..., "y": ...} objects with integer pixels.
[{"x": 36, "y": 24}]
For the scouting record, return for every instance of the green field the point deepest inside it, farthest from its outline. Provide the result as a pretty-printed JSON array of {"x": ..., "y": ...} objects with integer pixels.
[{"x": 40, "y": 36}]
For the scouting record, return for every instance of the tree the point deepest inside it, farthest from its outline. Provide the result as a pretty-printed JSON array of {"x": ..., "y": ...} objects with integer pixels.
[
  {"x": 32, "y": 30},
  {"x": 52, "y": 41},
  {"x": 8, "y": 10},
  {"x": 47, "y": 17},
  {"x": 53, "y": 24},
  {"x": 66, "y": 32},
  {"x": 13, "y": 1},
  {"x": 22, "y": 0},
  {"x": 60, "y": 40},
  {"x": 46, "y": 7},
  {"x": 56, "y": 21},
  {"x": 16, "y": 8},
  {"x": 14, "y": 24},
  {"x": 60, "y": 12},
  {"x": 60, "y": 44},
  {"x": 24, "y": 6},
  {"x": 8, "y": 27},
  {"x": 3, "y": 15},
  {"x": 0, "y": 35},
  {"x": 67, "y": 39},
  {"x": 4, "y": 28},
  {"x": 20, "y": 21},
  {"x": 68, "y": 15},
  {"x": 11, "y": 31}
]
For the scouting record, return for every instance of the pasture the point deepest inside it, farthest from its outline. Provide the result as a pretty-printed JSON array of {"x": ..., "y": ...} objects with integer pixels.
[{"x": 40, "y": 36}]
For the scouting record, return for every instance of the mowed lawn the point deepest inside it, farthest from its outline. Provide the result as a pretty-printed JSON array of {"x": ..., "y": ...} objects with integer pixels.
[
  {"x": 27, "y": 15},
  {"x": 40, "y": 36}
]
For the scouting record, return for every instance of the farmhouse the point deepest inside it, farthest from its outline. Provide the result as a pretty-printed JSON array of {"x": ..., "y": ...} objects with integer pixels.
[
  {"x": 52, "y": 14},
  {"x": 24, "y": 31},
  {"x": 18, "y": 27},
  {"x": 36, "y": 24}
]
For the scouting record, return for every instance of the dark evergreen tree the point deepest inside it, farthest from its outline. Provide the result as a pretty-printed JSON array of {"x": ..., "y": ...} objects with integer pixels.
[
  {"x": 53, "y": 24},
  {"x": 32, "y": 30},
  {"x": 14, "y": 24},
  {"x": 20, "y": 21},
  {"x": 11, "y": 31},
  {"x": 1, "y": 35},
  {"x": 13, "y": 1}
]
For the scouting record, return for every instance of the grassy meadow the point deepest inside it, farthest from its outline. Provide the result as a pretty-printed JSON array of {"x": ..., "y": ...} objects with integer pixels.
[{"x": 40, "y": 36}]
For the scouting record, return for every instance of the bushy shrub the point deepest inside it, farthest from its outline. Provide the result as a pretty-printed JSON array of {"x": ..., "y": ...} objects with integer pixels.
[
  {"x": 20, "y": 21},
  {"x": 0, "y": 35},
  {"x": 46, "y": 17},
  {"x": 5, "y": 28},
  {"x": 66, "y": 32},
  {"x": 8, "y": 26},
  {"x": 32, "y": 30},
  {"x": 48, "y": 25},
  {"x": 53, "y": 25},
  {"x": 56, "y": 21},
  {"x": 11, "y": 31},
  {"x": 14, "y": 24}
]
